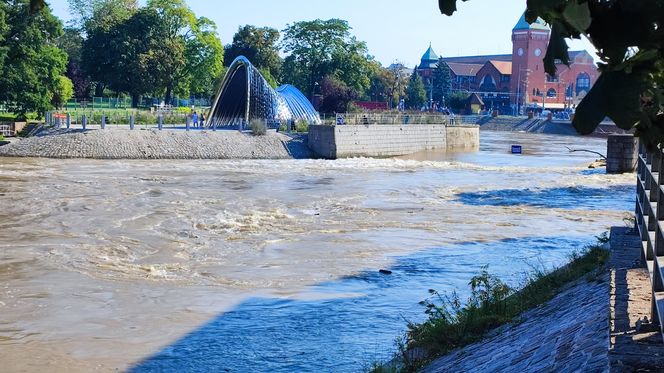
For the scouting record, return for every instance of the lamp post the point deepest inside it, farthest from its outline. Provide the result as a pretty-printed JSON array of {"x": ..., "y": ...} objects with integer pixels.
[{"x": 519, "y": 89}]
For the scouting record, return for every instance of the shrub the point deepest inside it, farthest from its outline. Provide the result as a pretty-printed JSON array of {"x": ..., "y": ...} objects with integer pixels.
[
  {"x": 302, "y": 126},
  {"x": 258, "y": 127},
  {"x": 2, "y": 138}
]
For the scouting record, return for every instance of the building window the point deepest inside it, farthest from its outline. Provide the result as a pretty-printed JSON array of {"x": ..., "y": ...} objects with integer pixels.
[
  {"x": 551, "y": 93},
  {"x": 552, "y": 79},
  {"x": 504, "y": 78},
  {"x": 583, "y": 82}
]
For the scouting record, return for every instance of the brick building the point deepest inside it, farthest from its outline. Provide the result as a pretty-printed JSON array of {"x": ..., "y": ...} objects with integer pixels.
[{"x": 517, "y": 80}]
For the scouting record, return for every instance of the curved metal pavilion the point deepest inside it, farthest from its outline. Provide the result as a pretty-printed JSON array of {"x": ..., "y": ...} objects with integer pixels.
[{"x": 245, "y": 95}]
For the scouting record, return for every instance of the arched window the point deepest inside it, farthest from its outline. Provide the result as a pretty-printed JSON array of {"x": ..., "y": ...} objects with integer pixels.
[
  {"x": 582, "y": 83},
  {"x": 488, "y": 84},
  {"x": 551, "y": 93}
]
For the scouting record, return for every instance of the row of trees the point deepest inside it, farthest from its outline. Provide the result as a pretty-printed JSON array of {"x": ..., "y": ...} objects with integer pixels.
[
  {"x": 163, "y": 49},
  {"x": 324, "y": 59}
]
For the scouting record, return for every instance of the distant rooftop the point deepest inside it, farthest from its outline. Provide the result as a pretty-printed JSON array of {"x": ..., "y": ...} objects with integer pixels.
[
  {"x": 480, "y": 60},
  {"x": 464, "y": 69}
]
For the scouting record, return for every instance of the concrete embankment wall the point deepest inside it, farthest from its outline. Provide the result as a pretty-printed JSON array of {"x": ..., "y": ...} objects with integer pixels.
[{"x": 388, "y": 140}]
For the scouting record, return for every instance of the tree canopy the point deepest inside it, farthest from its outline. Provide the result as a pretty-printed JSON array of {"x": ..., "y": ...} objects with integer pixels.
[
  {"x": 31, "y": 61},
  {"x": 629, "y": 40},
  {"x": 325, "y": 48},
  {"x": 259, "y": 45}
]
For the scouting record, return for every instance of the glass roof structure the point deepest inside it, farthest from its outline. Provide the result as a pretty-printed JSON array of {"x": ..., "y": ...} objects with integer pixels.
[{"x": 245, "y": 95}]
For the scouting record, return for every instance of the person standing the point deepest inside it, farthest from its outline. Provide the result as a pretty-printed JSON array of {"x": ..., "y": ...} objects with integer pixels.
[
  {"x": 202, "y": 120},
  {"x": 194, "y": 118}
]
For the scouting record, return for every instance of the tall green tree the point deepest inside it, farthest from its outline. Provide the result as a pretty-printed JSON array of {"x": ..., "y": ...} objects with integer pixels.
[
  {"x": 71, "y": 43},
  {"x": 32, "y": 62},
  {"x": 259, "y": 45},
  {"x": 324, "y": 48},
  {"x": 416, "y": 94},
  {"x": 202, "y": 61},
  {"x": 442, "y": 82},
  {"x": 99, "y": 21}
]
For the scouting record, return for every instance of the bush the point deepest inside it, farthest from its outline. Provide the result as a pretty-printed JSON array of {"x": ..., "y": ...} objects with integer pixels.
[
  {"x": 2, "y": 138},
  {"x": 258, "y": 127},
  {"x": 302, "y": 126}
]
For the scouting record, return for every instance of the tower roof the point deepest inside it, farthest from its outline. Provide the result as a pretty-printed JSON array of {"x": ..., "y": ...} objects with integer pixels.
[
  {"x": 539, "y": 24},
  {"x": 429, "y": 59}
]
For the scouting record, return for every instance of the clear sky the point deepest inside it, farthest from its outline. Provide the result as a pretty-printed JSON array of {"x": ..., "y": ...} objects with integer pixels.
[{"x": 393, "y": 30}]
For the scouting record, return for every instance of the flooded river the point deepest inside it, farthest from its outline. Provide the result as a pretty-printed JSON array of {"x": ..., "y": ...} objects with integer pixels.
[{"x": 273, "y": 265}]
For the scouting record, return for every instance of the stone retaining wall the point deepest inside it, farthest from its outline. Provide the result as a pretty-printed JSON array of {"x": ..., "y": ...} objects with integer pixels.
[{"x": 334, "y": 142}]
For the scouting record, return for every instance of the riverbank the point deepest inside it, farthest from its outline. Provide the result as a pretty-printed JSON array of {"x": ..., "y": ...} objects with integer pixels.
[
  {"x": 573, "y": 331},
  {"x": 154, "y": 144}
]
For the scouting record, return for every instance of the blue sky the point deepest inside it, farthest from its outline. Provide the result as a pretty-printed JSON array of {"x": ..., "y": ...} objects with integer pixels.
[{"x": 393, "y": 30}]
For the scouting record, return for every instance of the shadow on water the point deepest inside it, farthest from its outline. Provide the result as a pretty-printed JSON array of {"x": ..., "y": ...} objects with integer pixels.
[
  {"x": 345, "y": 325},
  {"x": 577, "y": 197}
]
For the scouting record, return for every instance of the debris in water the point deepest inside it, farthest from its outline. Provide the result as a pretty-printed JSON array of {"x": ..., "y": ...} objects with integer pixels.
[{"x": 385, "y": 272}]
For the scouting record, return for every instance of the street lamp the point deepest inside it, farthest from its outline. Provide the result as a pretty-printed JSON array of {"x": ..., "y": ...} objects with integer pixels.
[{"x": 518, "y": 88}]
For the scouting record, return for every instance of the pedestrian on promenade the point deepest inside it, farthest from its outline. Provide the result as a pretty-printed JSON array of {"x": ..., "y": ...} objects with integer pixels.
[
  {"x": 194, "y": 118},
  {"x": 202, "y": 120}
]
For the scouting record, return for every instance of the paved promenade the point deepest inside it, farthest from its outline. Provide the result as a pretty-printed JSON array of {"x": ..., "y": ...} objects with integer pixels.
[{"x": 154, "y": 144}]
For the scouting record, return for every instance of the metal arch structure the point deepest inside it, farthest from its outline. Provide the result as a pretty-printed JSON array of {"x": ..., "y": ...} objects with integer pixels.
[{"x": 245, "y": 95}]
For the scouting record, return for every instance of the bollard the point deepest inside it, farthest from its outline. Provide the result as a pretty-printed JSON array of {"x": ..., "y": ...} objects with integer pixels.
[
  {"x": 68, "y": 120},
  {"x": 186, "y": 125},
  {"x": 84, "y": 121},
  {"x": 214, "y": 126},
  {"x": 132, "y": 124},
  {"x": 103, "y": 122},
  {"x": 160, "y": 120}
]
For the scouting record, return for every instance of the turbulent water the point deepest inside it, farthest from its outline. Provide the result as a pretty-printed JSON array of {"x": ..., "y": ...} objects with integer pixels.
[{"x": 273, "y": 265}]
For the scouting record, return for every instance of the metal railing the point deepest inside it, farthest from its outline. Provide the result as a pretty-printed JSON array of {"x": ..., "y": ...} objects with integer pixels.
[
  {"x": 650, "y": 223},
  {"x": 392, "y": 119}
]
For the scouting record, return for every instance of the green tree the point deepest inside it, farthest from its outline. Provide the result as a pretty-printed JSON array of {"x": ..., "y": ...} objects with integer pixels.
[
  {"x": 202, "y": 60},
  {"x": 628, "y": 37},
  {"x": 99, "y": 21},
  {"x": 416, "y": 94},
  {"x": 398, "y": 79},
  {"x": 442, "y": 82},
  {"x": 63, "y": 92},
  {"x": 458, "y": 101},
  {"x": 259, "y": 45},
  {"x": 324, "y": 48},
  {"x": 32, "y": 63},
  {"x": 336, "y": 95}
]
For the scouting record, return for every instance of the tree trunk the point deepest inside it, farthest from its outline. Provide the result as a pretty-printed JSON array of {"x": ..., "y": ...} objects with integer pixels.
[
  {"x": 134, "y": 100},
  {"x": 99, "y": 90},
  {"x": 169, "y": 95}
]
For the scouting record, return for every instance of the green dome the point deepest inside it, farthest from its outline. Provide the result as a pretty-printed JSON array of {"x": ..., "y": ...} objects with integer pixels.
[
  {"x": 430, "y": 59},
  {"x": 539, "y": 24}
]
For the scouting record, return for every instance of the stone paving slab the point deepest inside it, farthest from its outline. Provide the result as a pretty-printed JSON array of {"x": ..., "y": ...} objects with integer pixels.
[{"x": 632, "y": 348}]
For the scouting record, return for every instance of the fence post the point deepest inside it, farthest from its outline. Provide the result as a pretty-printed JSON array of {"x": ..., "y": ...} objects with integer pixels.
[
  {"x": 132, "y": 122},
  {"x": 84, "y": 121},
  {"x": 160, "y": 120},
  {"x": 103, "y": 121}
]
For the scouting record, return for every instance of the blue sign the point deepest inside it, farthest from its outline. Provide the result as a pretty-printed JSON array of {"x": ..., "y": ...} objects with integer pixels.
[{"x": 517, "y": 149}]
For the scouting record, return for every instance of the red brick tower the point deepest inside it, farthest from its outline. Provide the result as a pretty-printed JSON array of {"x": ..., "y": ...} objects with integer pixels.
[{"x": 529, "y": 46}]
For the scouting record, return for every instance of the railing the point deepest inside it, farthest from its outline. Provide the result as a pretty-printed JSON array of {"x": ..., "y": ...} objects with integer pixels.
[
  {"x": 7, "y": 129},
  {"x": 650, "y": 223},
  {"x": 393, "y": 119}
]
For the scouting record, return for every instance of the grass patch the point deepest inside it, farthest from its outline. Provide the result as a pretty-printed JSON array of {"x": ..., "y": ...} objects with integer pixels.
[{"x": 451, "y": 324}]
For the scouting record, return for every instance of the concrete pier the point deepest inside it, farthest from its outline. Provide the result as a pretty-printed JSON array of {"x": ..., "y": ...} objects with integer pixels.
[
  {"x": 622, "y": 154},
  {"x": 333, "y": 142}
]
